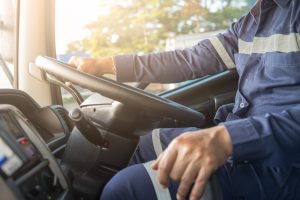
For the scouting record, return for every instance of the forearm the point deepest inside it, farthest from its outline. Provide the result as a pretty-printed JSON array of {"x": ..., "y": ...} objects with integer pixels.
[
  {"x": 267, "y": 138},
  {"x": 207, "y": 57},
  {"x": 169, "y": 67}
]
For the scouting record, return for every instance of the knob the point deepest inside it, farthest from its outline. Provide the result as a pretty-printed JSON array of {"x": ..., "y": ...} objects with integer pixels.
[{"x": 86, "y": 127}]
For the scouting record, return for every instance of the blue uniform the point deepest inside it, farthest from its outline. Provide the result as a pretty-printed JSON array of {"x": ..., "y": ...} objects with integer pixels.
[{"x": 263, "y": 123}]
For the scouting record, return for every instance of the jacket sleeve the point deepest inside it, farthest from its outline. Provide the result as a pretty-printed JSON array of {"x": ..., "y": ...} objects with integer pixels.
[
  {"x": 267, "y": 139},
  {"x": 207, "y": 57}
]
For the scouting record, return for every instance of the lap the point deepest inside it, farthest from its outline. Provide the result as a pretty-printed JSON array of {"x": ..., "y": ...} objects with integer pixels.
[
  {"x": 135, "y": 182},
  {"x": 138, "y": 180},
  {"x": 238, "y": 181},
  {"x": 256, "y": 181},
  {"x": 151, "y": 145},
  {"x": 245, "y": 182}
]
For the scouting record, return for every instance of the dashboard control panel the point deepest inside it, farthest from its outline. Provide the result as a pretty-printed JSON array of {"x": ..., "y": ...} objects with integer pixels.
[
  {"x": 9, "y": 161},
  {"x": 27, "y": 166}
]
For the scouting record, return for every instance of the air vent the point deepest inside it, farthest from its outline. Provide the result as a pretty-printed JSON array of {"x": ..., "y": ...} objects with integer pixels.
[{"x": 63, "y": 114}]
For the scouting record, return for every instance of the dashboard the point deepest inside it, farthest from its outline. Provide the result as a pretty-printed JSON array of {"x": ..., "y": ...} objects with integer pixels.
[
  {"x": 9, "y": 125},
  {"x": 44, "y": 155},
  {"x": 26, "y": 164},
  {"x": 30, "y": 151}
]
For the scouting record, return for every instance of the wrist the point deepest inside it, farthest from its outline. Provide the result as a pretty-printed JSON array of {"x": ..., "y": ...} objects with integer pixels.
[
  {"x": 105, "y": 65},
  {"x": 225, "y": 139}
]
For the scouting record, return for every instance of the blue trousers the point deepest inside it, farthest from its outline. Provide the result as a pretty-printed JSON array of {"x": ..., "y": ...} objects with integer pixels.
[{"x": 242, "y": 181}]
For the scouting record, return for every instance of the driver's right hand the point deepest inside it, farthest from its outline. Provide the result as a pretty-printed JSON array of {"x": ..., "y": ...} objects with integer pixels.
[{"x": 94, "y": 66}]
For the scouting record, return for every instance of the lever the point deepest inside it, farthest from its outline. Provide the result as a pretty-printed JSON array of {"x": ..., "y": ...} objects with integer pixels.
[{"x": 88, "y": 130}]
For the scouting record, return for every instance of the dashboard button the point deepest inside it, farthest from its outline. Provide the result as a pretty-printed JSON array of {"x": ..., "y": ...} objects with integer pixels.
[
  {"x": 12, "y": 163},
  {"x": 3, "y": 159}
]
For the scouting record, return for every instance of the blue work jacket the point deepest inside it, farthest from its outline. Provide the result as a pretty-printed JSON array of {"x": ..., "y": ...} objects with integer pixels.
[{"x": 264, "y": 47}]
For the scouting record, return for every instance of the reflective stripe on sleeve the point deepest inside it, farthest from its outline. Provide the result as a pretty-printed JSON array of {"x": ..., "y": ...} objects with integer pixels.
[
  {"x": 156, "y": 141},
  {"x": 274, "y": 43},
  {"x": 161, "y": 193},
  {"x": 217, "y": 44}
]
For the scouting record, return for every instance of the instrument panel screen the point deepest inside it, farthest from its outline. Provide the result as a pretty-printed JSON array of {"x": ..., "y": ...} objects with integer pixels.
[{"x": 10, "y": 125}]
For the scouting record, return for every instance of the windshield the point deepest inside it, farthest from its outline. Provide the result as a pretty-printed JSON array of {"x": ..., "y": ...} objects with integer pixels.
[{"x": 104, "y": 28}]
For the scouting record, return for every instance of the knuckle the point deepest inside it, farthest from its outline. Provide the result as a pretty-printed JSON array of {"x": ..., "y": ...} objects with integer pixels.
[
  {"x": 199, "y": 154},
  {"x": 174, "y": 177},
  {"x": 196, "y": 195},
  {"x": 81, "y": 68},
  {"x": 178, "y": 141},
  {"x": 184, "y": 181},
  {"x": 162, "y": 180},
  {"x": 182, "y": 186},
  {"x": 162, "y": 168},
  {"x": 187, "y": 180},
  {"x": 182, "y": 191},
  {"x": 200, "y": 182},
  {"x": 212, "y": 164}
]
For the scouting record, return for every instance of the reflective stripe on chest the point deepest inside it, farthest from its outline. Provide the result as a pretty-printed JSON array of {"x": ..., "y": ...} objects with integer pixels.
[{"x": 274, "y": 43}]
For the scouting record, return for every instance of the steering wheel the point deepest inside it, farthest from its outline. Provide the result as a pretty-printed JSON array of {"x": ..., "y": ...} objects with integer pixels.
[
  {"x": 125, "y": 94},
  {"x": 130, "y": 96}
]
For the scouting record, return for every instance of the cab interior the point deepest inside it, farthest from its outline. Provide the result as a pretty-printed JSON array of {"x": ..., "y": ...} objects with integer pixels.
[{"x": 50, "y": 152}]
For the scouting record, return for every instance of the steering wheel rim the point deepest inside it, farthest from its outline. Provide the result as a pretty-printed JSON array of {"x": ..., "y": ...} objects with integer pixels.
[{"x": 120, "y": 92}]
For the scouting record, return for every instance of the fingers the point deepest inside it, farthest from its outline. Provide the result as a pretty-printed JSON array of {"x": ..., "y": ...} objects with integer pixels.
[
  {"x": 179, "y": 168},
  {"x": 200, "y": 182},
  {"x": 186, "y": 181},
  {"x": 156, "y": 162},
  {"x": 165, "y": 166},
  {"x": 73, "y": 61},
  {"x": 81, "y": 64},
  {"x": 68, "y": 84},
  {"x": 93, "y": 66}
]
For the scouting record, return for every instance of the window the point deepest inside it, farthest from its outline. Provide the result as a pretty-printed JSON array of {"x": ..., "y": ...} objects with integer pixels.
[
  {"x": 8, "y": 43},
  {"x": 104, "y": 28}
]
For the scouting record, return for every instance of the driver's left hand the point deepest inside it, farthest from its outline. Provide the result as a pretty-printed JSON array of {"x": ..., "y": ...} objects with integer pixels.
[
  {"x": 95, "y": 66},
  {"x": 191, "y": 158}
]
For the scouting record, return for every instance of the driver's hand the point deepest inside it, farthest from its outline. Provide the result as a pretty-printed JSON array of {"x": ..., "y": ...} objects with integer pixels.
[
  {"x": 94, "y": 66},
  {"x": 191, "y": 158}
]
